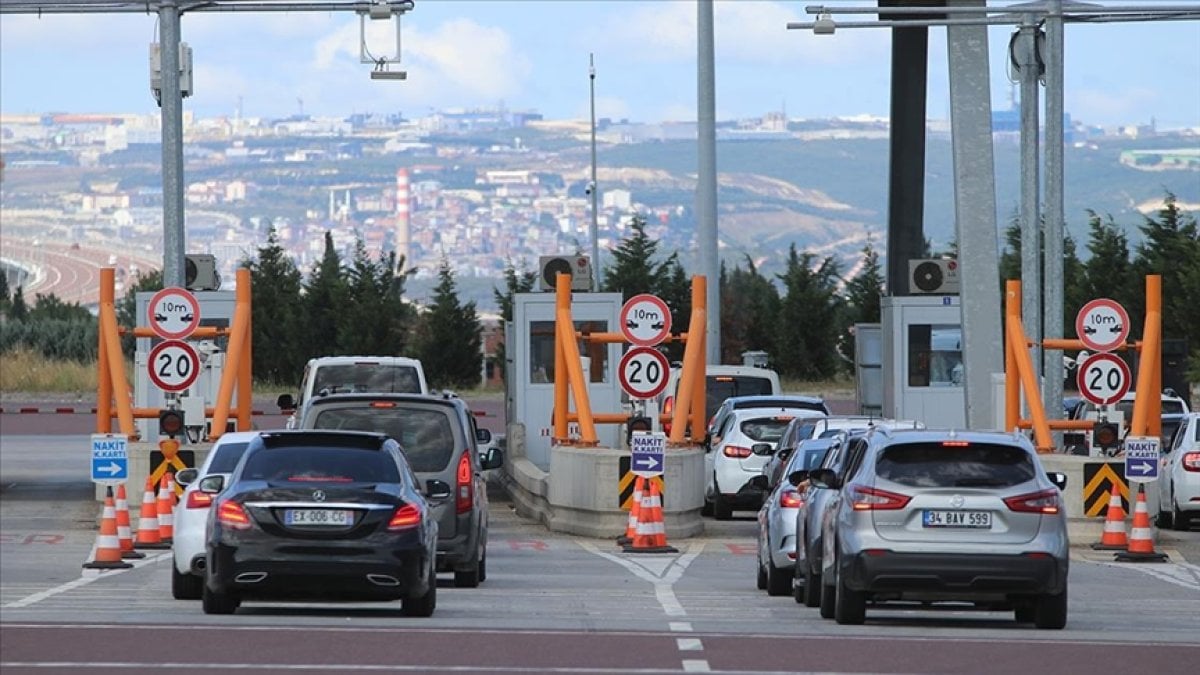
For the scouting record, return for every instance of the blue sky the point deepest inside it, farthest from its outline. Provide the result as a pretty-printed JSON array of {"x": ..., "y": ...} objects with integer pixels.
[{"x": 534, "y": 54}]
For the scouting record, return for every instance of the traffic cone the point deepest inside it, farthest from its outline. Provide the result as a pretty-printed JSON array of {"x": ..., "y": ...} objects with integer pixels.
[
  {"x": 147, "y": 533},
  {"x": 1114, "y": 538},
  {"x": 166, "y": 509},
  {"x": 651, "y": 534},
  {"x": 124, "y": 534},
  {"x": 1141, "y": 537},
  {"x": 635, "y": 507},
  {"x": 108, "y": 548}
]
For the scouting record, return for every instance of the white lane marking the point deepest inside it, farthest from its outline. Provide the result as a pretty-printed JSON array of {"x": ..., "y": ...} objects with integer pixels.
[
  {"x": 662, "y": 581},
  {"x": 695, "y": 666},
  {"x": 689, "y": 644},
  {"x": 88, "y": 577},
  {"x": 680, "y": 626}
]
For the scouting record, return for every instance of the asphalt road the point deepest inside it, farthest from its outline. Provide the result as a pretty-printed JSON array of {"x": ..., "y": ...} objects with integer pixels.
[{"x": 552, "y": 603}]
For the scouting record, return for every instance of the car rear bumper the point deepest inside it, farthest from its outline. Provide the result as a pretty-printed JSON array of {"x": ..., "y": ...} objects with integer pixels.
[
  {"x": 953, "y": 573},
  {"x": 377, "y": 575}
]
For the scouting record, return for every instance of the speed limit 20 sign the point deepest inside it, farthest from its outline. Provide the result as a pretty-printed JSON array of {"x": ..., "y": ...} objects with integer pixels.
[
  {"x": 643, "y": 372},
  {"x": 1103, "y": 378},
  {"x": 174, "y": 365}
]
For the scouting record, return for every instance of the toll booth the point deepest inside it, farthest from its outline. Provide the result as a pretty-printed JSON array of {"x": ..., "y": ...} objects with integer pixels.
[
  {"x": 923, "y": 360},
  {"x": 216, "y": 310},
  {"x": 530, "y": 366}
]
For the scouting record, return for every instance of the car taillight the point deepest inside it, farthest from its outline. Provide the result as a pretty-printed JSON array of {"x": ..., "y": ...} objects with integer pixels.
[
  {"x": 1045, "y": 501},
  {"x": 790, "y": 499},
  {"x": 667, "y": 409},
  {"x": 1191, "y": 461},
  {"x": 736, "y": 451},
  {"x": 199, "y": 500},
  {"x": 405, "y": 517},
  {"x": 231, "y": 514},
  {"x": 865, "y": 498},
  {"x": 465, "y": 495}
]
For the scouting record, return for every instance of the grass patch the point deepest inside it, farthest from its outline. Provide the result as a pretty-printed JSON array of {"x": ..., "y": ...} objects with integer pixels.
[
  {"x": 840, "y": 387},
  {"x": 24, "y": 370}
]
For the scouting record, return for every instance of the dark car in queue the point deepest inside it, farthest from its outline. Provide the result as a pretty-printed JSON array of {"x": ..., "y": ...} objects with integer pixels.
[
  {"x": 438, "y": 435},
  {"x": 320, "y": 515}
]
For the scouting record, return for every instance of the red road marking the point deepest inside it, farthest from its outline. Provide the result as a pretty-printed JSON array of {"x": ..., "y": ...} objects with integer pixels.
[
  {"x": 530, "y": 544},
  {"x": 742, "y": 549}
]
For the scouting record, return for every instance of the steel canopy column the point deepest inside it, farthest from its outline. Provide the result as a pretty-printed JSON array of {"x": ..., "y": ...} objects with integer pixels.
[
  {"x": 906, "y": 161},
  {"x": 975, "y": 213},
  {"x": 171, "y": 101},
  {"x": 1052, "y": 388},
  {"x": 706, "y": 176},
  {"x": 1031, "y": 245}
]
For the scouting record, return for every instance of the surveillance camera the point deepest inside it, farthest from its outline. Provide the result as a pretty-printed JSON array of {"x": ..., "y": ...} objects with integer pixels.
[
  {"x": 824, "y": 25},
  {"x": 587, "y": 190}
]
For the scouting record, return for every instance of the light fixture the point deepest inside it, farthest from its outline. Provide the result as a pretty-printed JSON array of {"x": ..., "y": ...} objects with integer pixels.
[
  {"x": 389, "y": 75},
  {"x": 824, "y": 24}
]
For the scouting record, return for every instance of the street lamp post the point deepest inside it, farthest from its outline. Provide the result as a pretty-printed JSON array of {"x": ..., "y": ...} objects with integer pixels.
[{"x": 593, "y": 188}]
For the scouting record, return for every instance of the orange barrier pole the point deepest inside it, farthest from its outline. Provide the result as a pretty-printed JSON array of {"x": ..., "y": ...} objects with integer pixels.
[
  {"x": 562, "y": 300},
  {"x": 1154, "y": 308},
  {"x": 116, "y": 367},
  {"x": 602, "y": 418},
  {"x": 698, "y": 408},
  {"x": 1060, "y": 343},
  {"x": 245, "y": 383},
  {"x": 570, "y": 352},
  {"x": 1012, "y": 391},
  {"x": 104, "y": 386},
  {"x": 692, "y": 351},
  {"x": 617, "y": 338},
  {"x": 201, "y": 332},
  {"x": 1145, "y": 392},
  {"x": 1041, "y": 430},
  {"x": 238, "y": 339},
  {"x": 1060, "y": 425}
]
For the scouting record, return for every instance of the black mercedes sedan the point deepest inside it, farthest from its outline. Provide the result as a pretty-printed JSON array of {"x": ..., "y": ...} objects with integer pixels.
[{"x": 323, "y": 516}]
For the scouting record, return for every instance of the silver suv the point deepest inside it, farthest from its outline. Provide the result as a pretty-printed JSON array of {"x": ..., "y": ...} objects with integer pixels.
[{"x": 935, "y": 516}]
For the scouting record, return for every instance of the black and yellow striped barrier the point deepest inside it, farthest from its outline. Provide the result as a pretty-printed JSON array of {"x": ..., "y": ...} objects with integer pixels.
[
  {"x": 1098, "y": 481},
  {"x": 625, "y": 481}
]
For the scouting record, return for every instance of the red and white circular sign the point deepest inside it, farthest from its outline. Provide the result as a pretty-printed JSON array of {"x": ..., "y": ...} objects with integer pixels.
[
  {"x": 643, "y": 372},
  {"x": 173, "y": 313},
  {"x": 1103, "y": 378},
  {"x": 1102, "y": 325},
  {"x": 645, "y": 320},
  {"x": 174, "y": 365}
]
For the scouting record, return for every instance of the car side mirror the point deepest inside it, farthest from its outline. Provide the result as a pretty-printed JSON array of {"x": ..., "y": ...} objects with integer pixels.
[
  {"x": 286, "y": 402},
  {"x": 784, "y": 453},
  {"x": 824, "y": 478},
  {"x": 186, "y": 477},
  {"x": 797, "y": 477},
  {"x": 762, "y": 449},
  {"x": 437, "y": 489},
  {"x": 760, "y": 482},
  {"x": 1058, "y": 478},
  {"x": 492, "y": 458},
  {"x": 483, "y": 435},
  {"x": 212, "y": 484}
]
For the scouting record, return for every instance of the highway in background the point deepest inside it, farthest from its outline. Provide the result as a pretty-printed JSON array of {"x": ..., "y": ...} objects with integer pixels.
[{"x": 551, "y": 603}]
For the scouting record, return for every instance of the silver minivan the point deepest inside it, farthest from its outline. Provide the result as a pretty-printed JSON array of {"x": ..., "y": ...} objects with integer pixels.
[{"x": 934, "y": 516}]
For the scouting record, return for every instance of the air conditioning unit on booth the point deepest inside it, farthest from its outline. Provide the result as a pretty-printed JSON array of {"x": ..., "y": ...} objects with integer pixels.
[
  {"x": 578, "y": 266},
  {"x": 936, "y": 276},
  {"x": 200, "y": 272}
]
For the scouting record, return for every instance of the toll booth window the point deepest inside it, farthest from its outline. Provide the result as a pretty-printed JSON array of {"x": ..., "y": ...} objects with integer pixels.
[
  {"x": 935, "y": 356},
  {"x": 541, "y": 351}
]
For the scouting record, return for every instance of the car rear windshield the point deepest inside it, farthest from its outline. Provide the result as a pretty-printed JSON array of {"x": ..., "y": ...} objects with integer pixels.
[
  {"x": 227, "y": 457},
  {"x": 321, "y": 465},
  {"x": 720, "y": 387},
  {"x": 366, "y": 377},
  {"x": 426, "y": 436},
  {"x": 971, "y": 465},
  {"x": 765, "y": 429}
]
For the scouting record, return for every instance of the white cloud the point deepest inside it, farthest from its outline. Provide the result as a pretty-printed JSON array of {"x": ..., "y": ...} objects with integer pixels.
[
  {"x": 1095, "y": 105},
  {"x": 74, "y": 32}
]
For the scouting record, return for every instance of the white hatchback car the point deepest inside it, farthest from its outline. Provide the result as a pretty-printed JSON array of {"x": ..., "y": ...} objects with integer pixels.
[
  {"x": 191, "y": 514},
  {"x": 739, "y": 449},
  {"x": 1179, "y": 477}
]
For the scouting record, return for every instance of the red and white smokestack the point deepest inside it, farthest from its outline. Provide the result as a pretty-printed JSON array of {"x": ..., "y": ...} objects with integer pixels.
[{"x": 403, "y": 203}]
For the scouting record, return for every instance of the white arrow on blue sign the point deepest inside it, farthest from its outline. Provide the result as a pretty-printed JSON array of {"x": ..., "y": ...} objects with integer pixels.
[
  {"x": 110, "y": 458},
  {"x": 1141, "y": 459},
  {"x": 647, "y": 450}
]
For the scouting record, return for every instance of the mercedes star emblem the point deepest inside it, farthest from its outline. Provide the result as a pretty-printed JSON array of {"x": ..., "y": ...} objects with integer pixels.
[
  {"x": 957, "y": 501},
  {"x": 319, "y": 495}
]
